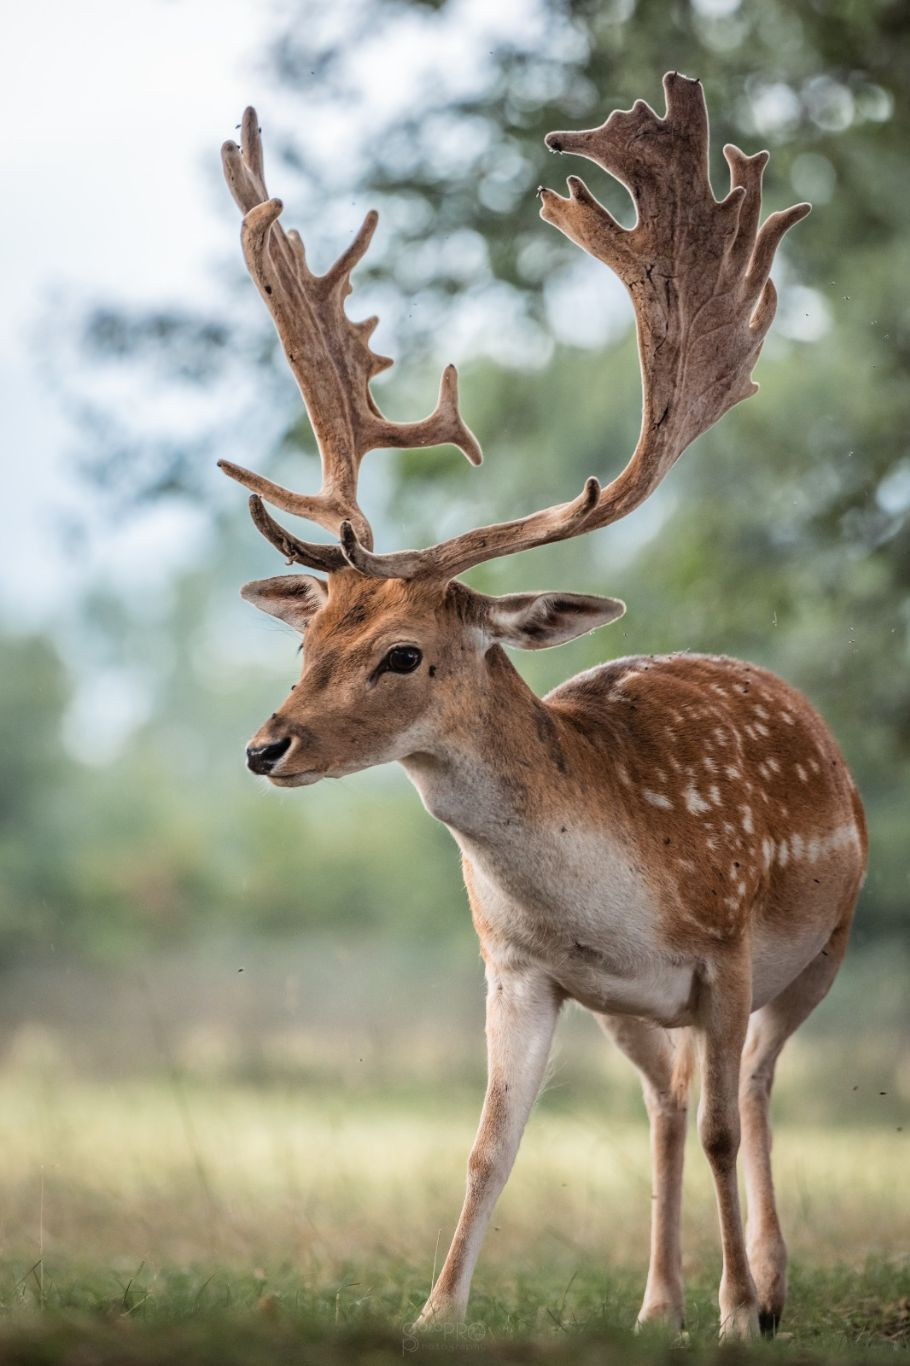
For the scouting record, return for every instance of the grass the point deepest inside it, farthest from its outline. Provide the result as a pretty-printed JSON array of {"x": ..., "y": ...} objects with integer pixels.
[{"x": 178, "y": 1221}]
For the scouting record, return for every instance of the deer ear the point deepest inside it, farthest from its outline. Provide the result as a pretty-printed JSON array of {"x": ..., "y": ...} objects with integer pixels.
[
  {"x": 293, "y": 598},
  {"x": 534, "y": 621}
]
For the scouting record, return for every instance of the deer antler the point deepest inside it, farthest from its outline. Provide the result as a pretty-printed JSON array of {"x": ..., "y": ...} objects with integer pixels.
[
  {"x": 332, "y": 362},
  {"x": 698, "y": 274}
]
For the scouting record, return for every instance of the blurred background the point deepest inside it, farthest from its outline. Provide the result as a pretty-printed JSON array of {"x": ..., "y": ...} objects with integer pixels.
[{"x": 184, "y": 952}]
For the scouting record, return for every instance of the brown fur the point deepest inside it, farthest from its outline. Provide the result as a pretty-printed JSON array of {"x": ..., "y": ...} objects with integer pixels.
[{"x": 713, "y": 730}]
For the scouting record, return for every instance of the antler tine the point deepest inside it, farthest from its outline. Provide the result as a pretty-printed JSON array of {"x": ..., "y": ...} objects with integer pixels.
[
  {"x": 327, "y": 558},
  {"x": 698, "y": 273},
  {"x": 330, "y": 358}
]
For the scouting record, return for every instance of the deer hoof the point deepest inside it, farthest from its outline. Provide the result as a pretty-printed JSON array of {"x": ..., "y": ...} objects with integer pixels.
[{"x": 740, "y": 1325}]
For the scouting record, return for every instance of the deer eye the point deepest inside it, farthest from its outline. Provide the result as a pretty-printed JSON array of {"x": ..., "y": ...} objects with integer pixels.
[{"x": 403, "y": 659}]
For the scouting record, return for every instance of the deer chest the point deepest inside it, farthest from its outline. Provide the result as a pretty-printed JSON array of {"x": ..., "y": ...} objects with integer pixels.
[{"x": 578, "y": 906}]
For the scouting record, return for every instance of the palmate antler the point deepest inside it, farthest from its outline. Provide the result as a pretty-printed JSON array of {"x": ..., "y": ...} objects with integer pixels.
[
  {"x": 698, "y": 274},
  {"x": 332, "y": 362}
]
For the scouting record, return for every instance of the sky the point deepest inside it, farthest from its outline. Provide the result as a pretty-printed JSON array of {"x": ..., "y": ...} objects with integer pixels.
[{"x": 110, "y": 111}]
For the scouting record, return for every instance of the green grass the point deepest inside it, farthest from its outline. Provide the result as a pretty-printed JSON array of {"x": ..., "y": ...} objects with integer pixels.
[
  {"x": 195, "y": 1314},
  {"x": 147, "y": 1221}
]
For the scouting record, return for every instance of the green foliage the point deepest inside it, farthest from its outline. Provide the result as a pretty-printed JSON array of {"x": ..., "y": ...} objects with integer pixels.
[
  {"x": 783, "y": 535},
  {"x": 106, "y": 860},
  {"x": 36, "y": 776}
]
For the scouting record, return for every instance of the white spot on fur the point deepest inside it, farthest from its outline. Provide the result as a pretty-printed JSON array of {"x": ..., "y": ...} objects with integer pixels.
[
  {"x": 741, "y": 887},
  {"x": 709, "y": 764},
  {"x": 762, "y": 728},
  {"x": 767, "y": 848},
  {"x": 714, "y": 794},
  {"x": 797, "y": 846},
  {"x": 760, "y": 712},
  {"x": 694, "y": 802},
  {"x": 657, "y": 799},
  {"x": 841, "y": 837},
  {"x": 802, "y": 774},
  {"x": 783, "y": 853},
  {"x": 787, "y": 718},
  {"x": 773, "y": 764},
  {"x": 747, "y": 819},
  {"x": 623, "y": 773},
  {"x": 732, "y": 771}
]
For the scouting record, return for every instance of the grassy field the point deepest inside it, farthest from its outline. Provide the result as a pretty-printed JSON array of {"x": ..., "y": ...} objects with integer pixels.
[{"x": 177, "y": 1220}]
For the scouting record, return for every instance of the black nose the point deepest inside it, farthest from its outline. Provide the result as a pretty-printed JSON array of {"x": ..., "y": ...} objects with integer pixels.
[{"x": 263, "y": 758}]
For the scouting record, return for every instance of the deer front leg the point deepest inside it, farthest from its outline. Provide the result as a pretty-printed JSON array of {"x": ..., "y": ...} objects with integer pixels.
[
  {"x": 522, "y": 1008},
  {"x": 721, "y": 1032}
]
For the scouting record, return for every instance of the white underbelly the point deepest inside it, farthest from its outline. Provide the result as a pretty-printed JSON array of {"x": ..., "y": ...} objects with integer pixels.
[{"x": 663, "y": 992}]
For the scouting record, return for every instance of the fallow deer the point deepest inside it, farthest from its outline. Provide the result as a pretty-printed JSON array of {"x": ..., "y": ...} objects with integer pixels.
[{"x": 675, "y": 841}]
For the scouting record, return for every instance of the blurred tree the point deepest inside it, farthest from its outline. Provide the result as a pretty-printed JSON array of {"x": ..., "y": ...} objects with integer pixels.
[
  {"x": 36, "y": 773},
  {"x": 783, "y": 536}
]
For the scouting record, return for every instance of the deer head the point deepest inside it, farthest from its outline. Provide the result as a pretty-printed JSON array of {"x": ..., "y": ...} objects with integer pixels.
[{"x": 395, "y": 644}]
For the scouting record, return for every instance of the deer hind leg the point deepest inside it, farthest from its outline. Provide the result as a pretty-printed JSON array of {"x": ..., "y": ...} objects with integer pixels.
[
  {"x": 522, "y": 1009},
  {"x": 769, "y": 1029},
  {"x": 663, "y": 1062},
  {"x": 720, "y": 1032}
]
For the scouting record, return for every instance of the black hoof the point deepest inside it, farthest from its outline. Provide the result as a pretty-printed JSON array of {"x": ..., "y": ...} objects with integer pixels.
[{"x": 768, "y": 1323}]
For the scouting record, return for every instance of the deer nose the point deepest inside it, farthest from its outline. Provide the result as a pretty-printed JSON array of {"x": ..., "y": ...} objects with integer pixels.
[{"x": 263, "y": 758}]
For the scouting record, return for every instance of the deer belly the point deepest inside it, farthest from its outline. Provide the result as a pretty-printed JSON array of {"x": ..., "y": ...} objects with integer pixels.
[{"x": 662, "y": 992}]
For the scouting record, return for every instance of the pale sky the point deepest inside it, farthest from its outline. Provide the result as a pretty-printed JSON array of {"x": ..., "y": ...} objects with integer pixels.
[{"x": 108, "y": 111}]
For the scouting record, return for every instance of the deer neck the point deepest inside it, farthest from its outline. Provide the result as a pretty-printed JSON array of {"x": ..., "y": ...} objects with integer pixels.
[{"x": 489, "y": 774}]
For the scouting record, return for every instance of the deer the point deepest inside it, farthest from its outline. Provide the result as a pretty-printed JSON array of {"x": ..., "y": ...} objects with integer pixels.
[{"x": 674, "y": 842}]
